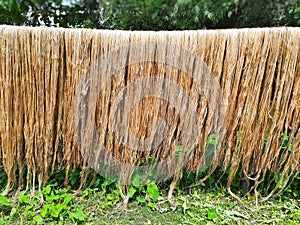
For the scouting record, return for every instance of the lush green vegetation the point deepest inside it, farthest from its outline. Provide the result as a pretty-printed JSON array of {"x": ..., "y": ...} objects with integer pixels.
[
  {"x": 101, "y": 204},
  {"x": 152, "y": 15}
]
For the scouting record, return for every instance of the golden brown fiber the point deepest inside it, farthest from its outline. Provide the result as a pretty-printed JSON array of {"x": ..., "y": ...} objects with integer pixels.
[{"x": 41, "y": 69}]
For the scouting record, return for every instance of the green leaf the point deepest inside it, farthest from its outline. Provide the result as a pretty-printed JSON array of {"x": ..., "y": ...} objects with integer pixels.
[
  {"x": 24, "y": 198},
  {"x": 106, "y": 204},
  {"x": 132, "y": 191},
  {"x": 78, "y": 215},
  {"x": 190, "y": 214},
  {"x": 151, "y": 205},
  {"x": 38, "y": 219},
  {"x": 53, "y": 211},
  {"x": 140, "y": 199},
  {"x": 136, "y": 181},
  {"x": 44, "y": 210},
  {"x": 152, "y": 191},
  {"x": 154, "y": 14},
  {"x": 14, "y": 212},
  {"x": 178, "y": 149},
  {"x": 73, "y": 178},
  {"x": 29, "y": 211},
  {"x": 47, "y": 190},
  {"x": 4, "y": 201},
  {"x": 85, "y": 193},
  {"x": 67, "y": 198},
  {"x": 60, "y": 207},
  {"x": 212, "y": 213},
  {"x": 110, "y": 196},
  {"x": 105, "y": 184},
  {"x": 50, "y": 198}
]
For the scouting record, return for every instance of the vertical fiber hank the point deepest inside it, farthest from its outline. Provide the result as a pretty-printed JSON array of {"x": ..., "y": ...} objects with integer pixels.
[
  {"x": 280, "y": 159},
  {"x": 9, "y": 101},
  {"x": 78, "y": 49},
  {"x": 52, "y": 79}
]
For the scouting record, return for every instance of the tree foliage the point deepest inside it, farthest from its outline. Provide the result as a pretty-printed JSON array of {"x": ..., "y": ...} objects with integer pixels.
[{"x": 151, "y": 14}]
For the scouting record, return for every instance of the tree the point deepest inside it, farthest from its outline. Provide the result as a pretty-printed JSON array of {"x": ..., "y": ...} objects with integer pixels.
[{"x": 151, "y": 15}]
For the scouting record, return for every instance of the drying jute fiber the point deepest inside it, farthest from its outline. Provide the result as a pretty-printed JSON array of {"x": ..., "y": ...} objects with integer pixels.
[{"x": 149, "y": 104}]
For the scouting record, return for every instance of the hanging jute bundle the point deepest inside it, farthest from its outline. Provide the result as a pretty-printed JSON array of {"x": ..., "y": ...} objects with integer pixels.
[{"x": 128, "y": 103}]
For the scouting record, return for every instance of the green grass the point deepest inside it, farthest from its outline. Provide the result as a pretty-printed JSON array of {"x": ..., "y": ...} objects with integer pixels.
[{"x": 94, "y": 206}]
